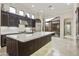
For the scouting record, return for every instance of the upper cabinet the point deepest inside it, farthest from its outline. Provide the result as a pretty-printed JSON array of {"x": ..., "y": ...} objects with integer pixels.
[
  {"x": 13, "y": 20},
  {"x": 9, "y": 19},
  {"x": 31, "y": 22},
  {"x": 4, "y": 18}
]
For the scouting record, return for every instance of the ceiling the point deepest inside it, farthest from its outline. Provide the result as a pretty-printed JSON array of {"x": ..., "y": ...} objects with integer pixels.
[{"x": 47, "y": 10}]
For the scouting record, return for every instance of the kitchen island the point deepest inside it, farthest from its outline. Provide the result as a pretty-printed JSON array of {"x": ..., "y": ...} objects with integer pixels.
[
  {"x": 3, "y": 37},
  {"x": 26, "y": 44}
]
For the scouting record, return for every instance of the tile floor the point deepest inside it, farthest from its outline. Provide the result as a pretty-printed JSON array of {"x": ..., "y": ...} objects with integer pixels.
[{"x": 65, "y": 47}]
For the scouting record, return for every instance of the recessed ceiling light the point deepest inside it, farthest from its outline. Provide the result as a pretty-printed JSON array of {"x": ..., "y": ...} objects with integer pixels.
[
  {"x": 52, "y": 8},
  {"x": 41, "y": 11},
  {"x": 33, "y": 5},
  {"x": 68, "y": 4}
]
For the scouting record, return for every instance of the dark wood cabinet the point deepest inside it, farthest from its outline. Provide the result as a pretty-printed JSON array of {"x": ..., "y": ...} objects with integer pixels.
[
  {"x": 4, "y": 18},
  {"x": 12, "y": 47},
  {"x": 53, "y": 26},
  {"x": 3, "y": 40},
  {"x": 29, "y": 22},
  {"x": 13, "y": 20},
  {"x": 9, "y": 19},
  {"x": 33, "y": 23},
  {"x": 21, "y": 17}
]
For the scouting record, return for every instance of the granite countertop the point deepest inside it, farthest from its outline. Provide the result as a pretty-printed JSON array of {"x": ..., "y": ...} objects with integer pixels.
[
  {"x": 13, "y": 33},
  {"x": 8, "y": 33},
  {"x": 27, "y": 37}
]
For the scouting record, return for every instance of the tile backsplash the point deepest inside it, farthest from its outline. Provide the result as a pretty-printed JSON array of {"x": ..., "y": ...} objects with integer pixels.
[
  {"x": 3, "y": 28},
  {"x": 21, "y": 28},
  {"x": 9, "y": 29},
  {"x": 28, "y": 29}
]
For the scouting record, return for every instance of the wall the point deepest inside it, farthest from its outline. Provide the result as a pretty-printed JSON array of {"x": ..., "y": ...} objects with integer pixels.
[
  {"x": 68, "y": 14},
  {"x": 64, "y": 15},
  {"x": 38, "y": 27}
]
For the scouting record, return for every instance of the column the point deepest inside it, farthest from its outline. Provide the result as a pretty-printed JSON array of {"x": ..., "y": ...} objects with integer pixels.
[{"x": 61, "y": 27}]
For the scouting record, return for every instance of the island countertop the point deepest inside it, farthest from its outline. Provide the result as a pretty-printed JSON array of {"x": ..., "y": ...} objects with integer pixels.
[{"x": 28, "y": 37}]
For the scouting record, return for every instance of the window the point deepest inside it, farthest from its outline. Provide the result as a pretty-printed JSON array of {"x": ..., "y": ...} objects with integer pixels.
[
  {"x": 12, "y": 10},
  {"x": 21, "y": 13}
]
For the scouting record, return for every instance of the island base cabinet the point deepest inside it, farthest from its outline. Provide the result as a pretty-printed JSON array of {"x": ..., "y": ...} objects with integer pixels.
[
  {"x": 17, "y": 48},
  {"x": 12, "y": 47}
]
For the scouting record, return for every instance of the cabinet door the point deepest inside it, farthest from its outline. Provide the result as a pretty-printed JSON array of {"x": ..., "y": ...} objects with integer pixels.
[
  {"x": 13, "y": 20},
  {"x": 33, "y": 23},
  {"x": 3, "y": 40},
  {"x": 16, "y": 21},
  {"x": 29, "y": 22},
  {"x": 4, "y": 18}
]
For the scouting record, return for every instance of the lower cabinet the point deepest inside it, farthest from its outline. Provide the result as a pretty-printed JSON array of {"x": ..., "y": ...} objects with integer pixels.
[
  {"x": 3, "y": 40},
  {"x": 9, "y": 19},
  {"x": 12, "y": 47}
]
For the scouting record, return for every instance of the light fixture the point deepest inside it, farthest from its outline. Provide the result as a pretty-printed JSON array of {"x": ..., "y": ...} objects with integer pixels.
[{"x": 33, "y": 5}]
